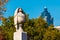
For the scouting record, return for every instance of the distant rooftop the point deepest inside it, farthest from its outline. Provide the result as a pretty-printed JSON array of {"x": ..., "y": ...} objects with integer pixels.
[{"x": 57, "y": 27}]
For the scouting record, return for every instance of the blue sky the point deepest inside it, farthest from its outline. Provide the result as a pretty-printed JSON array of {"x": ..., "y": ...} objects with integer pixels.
[{"x": 34, "y": 8}]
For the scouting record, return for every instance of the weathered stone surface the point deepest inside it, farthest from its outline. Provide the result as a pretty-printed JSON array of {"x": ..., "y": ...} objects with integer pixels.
[{"x": 20, "y": 35}]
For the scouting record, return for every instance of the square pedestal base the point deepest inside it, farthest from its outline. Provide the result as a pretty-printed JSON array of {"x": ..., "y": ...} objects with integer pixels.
[{"x": 20, "y": 35}]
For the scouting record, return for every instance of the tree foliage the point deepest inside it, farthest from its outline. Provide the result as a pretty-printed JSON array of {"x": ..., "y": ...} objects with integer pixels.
[
  {"x": 2, "y": 2},
  {"x": 36, "y": 29},
  {"x": 2, "y": 8}
]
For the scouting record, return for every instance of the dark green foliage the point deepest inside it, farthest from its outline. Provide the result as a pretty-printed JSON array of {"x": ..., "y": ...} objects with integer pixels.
[{"x": 36, "y": 29}]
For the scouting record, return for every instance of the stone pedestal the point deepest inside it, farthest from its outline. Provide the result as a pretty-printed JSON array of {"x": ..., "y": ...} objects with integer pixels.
[{"x": 20, "y": 35}]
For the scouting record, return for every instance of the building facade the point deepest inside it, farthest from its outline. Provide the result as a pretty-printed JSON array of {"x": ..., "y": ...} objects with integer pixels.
[{"x": 47, "y": 17}]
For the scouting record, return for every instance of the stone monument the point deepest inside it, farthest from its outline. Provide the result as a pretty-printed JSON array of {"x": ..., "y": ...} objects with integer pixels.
[{"x": 19, "y": 19}]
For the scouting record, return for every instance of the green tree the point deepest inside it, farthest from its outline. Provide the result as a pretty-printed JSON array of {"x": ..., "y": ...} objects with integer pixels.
[
  {"x": 52, "y": 34},
  {"x": 36, "y": 28},
  {"x": 8, "y": 27}
]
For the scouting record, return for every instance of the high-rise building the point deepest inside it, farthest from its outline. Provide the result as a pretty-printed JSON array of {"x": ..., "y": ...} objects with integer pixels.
[{"x": 46, "y": 16}]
